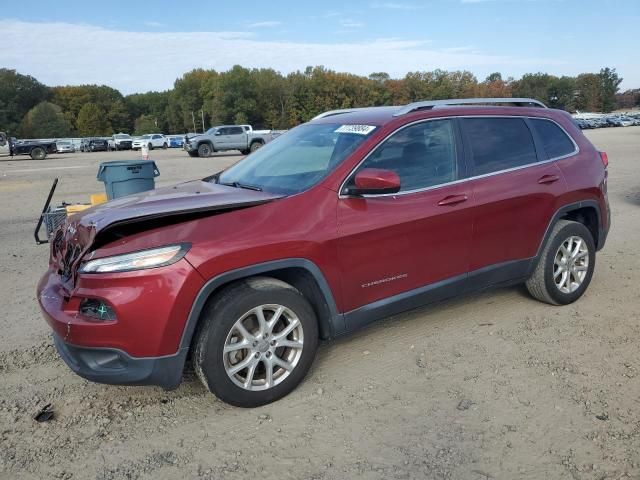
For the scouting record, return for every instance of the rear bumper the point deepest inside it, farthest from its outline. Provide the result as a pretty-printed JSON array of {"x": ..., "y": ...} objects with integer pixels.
[{"x": 115, "y": 367}]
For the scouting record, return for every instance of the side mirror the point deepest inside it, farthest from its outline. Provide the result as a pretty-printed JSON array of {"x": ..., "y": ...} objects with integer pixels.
[
  {"x": 218, "y": 132},
  {"x": 372, "y": 181}
]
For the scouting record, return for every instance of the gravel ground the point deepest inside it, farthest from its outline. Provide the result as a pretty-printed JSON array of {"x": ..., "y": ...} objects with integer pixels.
[{"x": 495, "y": 385}]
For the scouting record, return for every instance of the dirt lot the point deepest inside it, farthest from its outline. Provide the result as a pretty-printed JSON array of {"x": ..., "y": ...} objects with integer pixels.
[{"x": 491, "y": 386}]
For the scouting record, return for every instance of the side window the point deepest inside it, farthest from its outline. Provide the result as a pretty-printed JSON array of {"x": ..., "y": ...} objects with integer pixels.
[
  {"x": 423, "y": 155},
  {"x": 223, "y": 131},
  {"x": 555, "y": 141},
  {"x": 498, "y": 143},
  {"x": 236, "y": 131}
]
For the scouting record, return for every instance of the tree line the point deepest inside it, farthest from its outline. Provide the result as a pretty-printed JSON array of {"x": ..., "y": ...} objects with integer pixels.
[{"x": 266, "y": 98}]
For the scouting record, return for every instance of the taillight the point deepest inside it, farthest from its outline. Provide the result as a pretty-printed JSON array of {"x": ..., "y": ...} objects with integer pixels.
[{"x": 604, "y": 158}]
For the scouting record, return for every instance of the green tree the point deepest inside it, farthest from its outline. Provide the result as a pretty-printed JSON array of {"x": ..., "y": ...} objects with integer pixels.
[
  {"x": 45, "y": 120},
  {"x": 609, "y": 83},
  {"x": 92, "y": 121},
  {"x": 145, "y": 124},
  {"x": 18, "y": 94},
  {"x": 72, "y": 98},
  {"x": 119, "y": 117}
]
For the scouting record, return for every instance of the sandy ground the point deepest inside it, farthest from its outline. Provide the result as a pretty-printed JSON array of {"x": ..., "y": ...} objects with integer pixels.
[{"x": 496, "y": 385}]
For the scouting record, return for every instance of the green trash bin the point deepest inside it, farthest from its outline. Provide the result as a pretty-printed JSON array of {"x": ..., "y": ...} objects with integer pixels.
[{"x": 127, "y": 177}]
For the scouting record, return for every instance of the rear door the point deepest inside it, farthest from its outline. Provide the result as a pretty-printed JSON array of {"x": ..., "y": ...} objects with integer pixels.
[
  {"x": 515, "y": 187},
  {"x": 237, "y": 138},
  {"x": 395, "y": 243},
  {"x": 157, "y": 140}
]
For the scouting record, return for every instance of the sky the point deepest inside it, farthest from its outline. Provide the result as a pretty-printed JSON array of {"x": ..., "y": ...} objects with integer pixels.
[{"x": 138, "y": 46}]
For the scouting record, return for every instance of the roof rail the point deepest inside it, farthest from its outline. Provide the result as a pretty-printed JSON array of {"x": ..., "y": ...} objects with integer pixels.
[
  {"x": 340, "y": 111},
  {"x": 429, "y": 104}
]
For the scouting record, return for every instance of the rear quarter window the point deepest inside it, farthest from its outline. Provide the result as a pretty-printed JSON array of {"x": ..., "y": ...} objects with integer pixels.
[
  {"x": 555, "y": 141},
  {"x": 498, "y": 144}
]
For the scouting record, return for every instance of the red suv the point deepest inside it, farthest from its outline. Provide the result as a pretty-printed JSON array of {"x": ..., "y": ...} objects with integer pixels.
[{"x": 354, "y": 216}]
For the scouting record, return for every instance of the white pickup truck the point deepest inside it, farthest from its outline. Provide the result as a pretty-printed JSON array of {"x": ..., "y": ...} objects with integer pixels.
[{"x": 227, "y": 137}]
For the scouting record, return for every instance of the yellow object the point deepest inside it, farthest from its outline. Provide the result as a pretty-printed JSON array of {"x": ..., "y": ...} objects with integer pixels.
[
  {"x": 78, "y": 207},
  {"x": 97, "y": 198}
]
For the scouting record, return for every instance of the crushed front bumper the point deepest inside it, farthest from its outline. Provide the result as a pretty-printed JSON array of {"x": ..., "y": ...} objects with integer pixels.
[{"x": 115, "y": 367}]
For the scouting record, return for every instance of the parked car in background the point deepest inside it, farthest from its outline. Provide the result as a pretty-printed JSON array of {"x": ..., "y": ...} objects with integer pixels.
[
  {"x": 175, "y": 141},
  {"x": 151, "y": 140},
  {"x": 227, "y": 137},
  {"x": 120, "y": 141},
  {"x": 36, "y": 149},
  {"x": 94, "y": 145},
  {"x": 358, "y": 215},
  {"x": 65, "y": 146}
]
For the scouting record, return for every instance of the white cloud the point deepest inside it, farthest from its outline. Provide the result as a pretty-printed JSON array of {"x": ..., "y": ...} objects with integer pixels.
[
  {"x": 346, "y": 23},
  {"x": 62, "y": 53},
  {"x": 396, "y": 6},
  {"x": 266, "y": 24},
  {"x": 154, "y": 24}
]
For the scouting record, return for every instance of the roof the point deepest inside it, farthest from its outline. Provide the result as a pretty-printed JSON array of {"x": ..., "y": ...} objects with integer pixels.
[{"x": 382, "y": 115}]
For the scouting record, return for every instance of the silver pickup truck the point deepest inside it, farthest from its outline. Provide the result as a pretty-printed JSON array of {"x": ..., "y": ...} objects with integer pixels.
[{"x": 227, "y": 137}]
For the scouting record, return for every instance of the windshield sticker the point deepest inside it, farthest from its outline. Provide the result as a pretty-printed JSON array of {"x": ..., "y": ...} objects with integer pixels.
[{"x": 359, "y": 129}]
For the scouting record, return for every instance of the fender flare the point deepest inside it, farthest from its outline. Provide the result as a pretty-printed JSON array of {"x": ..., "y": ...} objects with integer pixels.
[
  {"x": 334, "y": 324},
  {"x": 602, "y": 232}
]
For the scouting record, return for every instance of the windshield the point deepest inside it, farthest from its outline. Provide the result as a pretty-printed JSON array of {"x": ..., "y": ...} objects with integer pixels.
[
  {"x": 298, "y": 159},
  {"x": 145, "y": 137},
  {"x": 211, "y": 130},
  {"x": 122, "y": 135}
]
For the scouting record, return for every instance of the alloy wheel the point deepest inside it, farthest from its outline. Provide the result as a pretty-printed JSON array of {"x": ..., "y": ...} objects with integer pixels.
[
  {"x": 571, "y": 264},
  {"x": 263, "y": 347}
]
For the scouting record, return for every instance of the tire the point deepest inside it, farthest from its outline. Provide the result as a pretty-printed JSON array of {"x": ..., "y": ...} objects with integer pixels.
[
  {"x": 546, "y": 283},
  {"x": 150, "y": 146},
  {"x": 204, "y": 150},
  {"x": 218, "y": 328},
  {"x": 38, "y": 153},
  {"x": 164, "y": 146},
  {"x": 255, "y": 146}
]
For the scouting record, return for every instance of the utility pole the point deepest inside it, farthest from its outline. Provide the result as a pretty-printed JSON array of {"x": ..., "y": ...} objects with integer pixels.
[
  {"x": 202, "y": 113},
  {"x": 193, "y": 119}
]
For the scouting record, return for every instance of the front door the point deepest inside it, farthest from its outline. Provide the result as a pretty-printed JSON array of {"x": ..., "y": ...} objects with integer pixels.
[{"x": 395, "y": 243}]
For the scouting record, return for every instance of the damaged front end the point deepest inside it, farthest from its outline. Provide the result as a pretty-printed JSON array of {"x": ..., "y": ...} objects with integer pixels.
[{"x": 99, "y": 294}]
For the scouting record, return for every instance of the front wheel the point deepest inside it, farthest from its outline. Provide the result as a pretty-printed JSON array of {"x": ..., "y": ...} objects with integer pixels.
[
  {"x": 204, "y": 150},
  {"x": 150, "y": 146},
  {"x": 164, "y": 146},
  {"x": 256, "y": 342},
  {"x": 565, "y": 266}
]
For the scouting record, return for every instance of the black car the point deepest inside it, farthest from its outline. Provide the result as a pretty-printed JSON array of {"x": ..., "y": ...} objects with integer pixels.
[
  {"x": 35, "y": 149},
  {"x": 94, "y": 145}
]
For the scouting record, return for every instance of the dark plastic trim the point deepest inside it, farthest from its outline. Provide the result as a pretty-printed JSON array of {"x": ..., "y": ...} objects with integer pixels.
[
  {"x": 115, "y": 367},
  {"x": 481, "y": 279},
  {"x": 334, "y": 324}
]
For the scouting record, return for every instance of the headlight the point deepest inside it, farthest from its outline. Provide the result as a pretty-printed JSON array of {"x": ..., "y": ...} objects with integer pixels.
[{"x": 156, "y": 257}]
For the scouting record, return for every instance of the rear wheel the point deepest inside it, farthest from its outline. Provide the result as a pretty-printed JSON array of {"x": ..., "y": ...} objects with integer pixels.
[
  {"x": 255, "y": 146},
  {"x": 150, "y": 146},
  {"x": 245, "y": 151},
  {"x": 565, "y": 266},
  {"x": 164, "y": 146},
  {"x": 204, "y": 150},
  {"x": 256, "y": 343},
  {"x": 38, "y": 153}
]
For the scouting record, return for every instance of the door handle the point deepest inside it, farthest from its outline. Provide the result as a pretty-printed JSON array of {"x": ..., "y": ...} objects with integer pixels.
[
  {"x": 452, "y": 200},
  {"x": 547, "y": 179}
]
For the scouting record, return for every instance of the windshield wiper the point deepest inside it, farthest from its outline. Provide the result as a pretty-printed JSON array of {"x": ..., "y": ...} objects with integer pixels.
[{"x": 241, "y": 185}]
